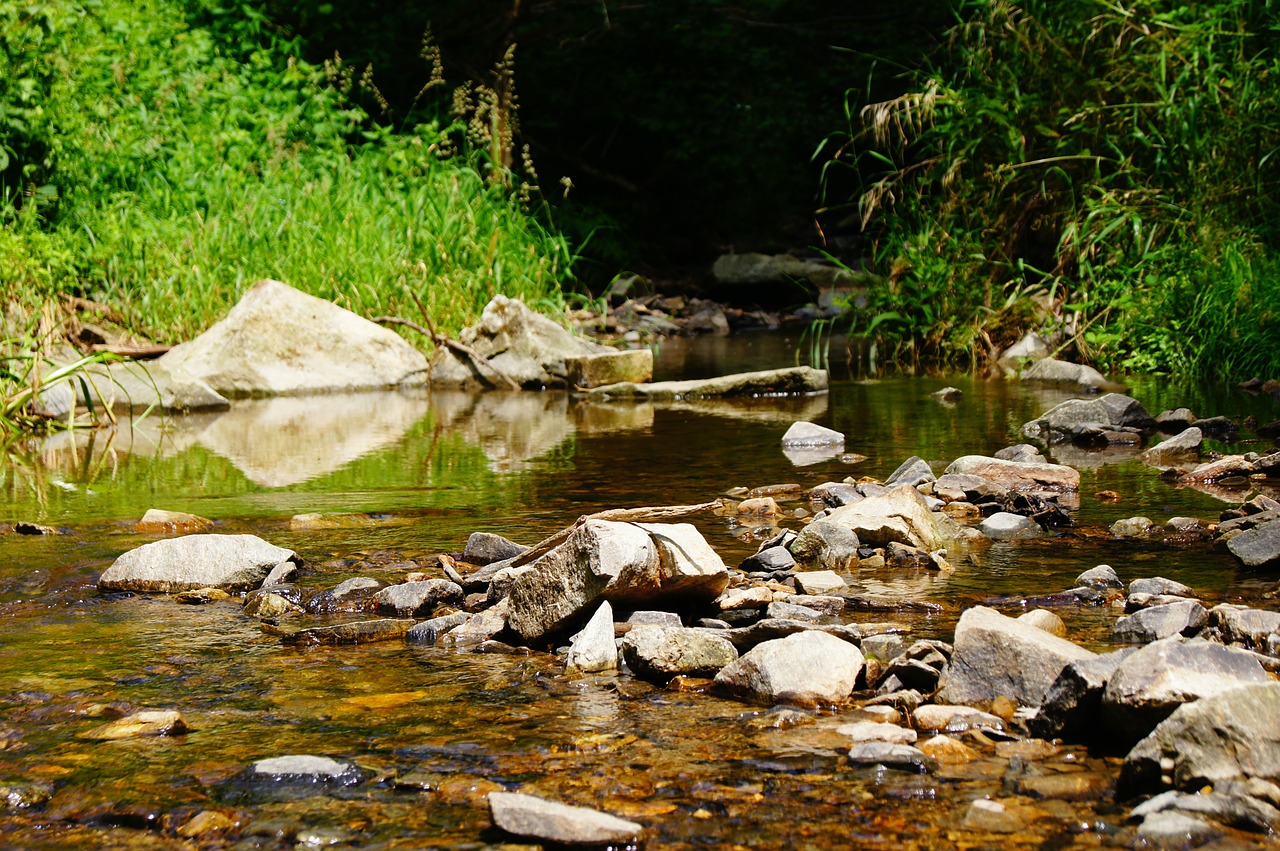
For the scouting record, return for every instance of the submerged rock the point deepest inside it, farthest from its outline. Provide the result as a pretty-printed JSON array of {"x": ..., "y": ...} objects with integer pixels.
[
  {"x": 1184, "y": 446},
  {"x": 154, "y": 722},
  {"x": 280, "y": 341},
  {"x": 535, "y": 818},
  {"x": 292, "y": 777},
  {"x": 611, "y": 367},
  {"x": 157, "y": 520},
  {"x": 229, "y": 562},
  {"x": 1091, "y": 420}
]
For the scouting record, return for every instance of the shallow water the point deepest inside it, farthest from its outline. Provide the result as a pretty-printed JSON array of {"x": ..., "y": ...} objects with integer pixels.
[{"x": 440, "y": 729}]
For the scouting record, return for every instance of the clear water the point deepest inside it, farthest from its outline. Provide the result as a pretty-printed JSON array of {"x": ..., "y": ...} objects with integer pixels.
[{"x": 430, "y": 469}]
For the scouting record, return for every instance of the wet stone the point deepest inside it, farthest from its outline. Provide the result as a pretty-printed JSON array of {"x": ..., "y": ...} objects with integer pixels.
[
  {"x": 430, "y": 631},
  {"x": 350, "y": 595},
  {"x": 1003, "y": 526},
  {"x": 819, "y": 581},
  {"x": 661, "y": 653},
  {"x": 941, "y": 718},
  {"x": 1131, "y": 527},
  {"x": 1186, "y": 617},
  {"x": 1174, "y": 830},
  {"x": 901, "y": 757},
  {"x": 991, "y": 817},
  {"x": 159, "y": 521},
  {"x": 1160, "y": 585},
  {"x": 157, "y": 722},
  {"x": 24, "y": 795},
  {"x": 873, "y": 731},
  {"x": 416, "y": 598},
  {"x": 549, "y": 821},
  {"x": 292, "y": 777},
  {"x": 485, "y": 548},
  {"x": 229, "y": 562},
  {"x": 768, "y": 561},
  {"x": 803, "y": 435},
  {"x": 593, "y": 650},
  {"x": 360, "y": 632}
]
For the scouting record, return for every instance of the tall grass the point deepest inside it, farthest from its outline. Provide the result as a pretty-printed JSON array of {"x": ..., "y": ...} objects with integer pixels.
[
  {"x": 1106, "y": 171},
  {"x": 163, "y": 156}
]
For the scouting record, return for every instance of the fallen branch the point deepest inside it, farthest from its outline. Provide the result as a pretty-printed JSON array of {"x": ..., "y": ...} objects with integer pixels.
[
  {"x": 618, "y": 515},
  {"x": 454, "y": 345}
]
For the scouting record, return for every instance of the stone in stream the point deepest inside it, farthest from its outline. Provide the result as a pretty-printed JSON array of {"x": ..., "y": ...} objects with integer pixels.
[
  {"x": 1186, "y": 617},
  {"x": 291, "y": 777},
  {"x": 913, "y": 471},
  {"x": 529, "y": 817},
  {"x": 1003, "y": 526},
  {"x": 1182, "y": 447},
  {"x": 1228, "y": 736},
  {"x": 282, "y": 573},
  {"x": 350, "y": 595},
  {"x": 874, "y": 731},
  {"x": 430, "y": 631},
  {"x": 1131, "y": 527},
  {"x": 1056, "y": 371},
  {"x": 485, "y": 548},
  {"x": 768, "y": 561},
  {"x": 1158, "y": 585},
  {"x": 408, "y": 599},
  {"x": 1103, "y": 576},
  {"x": 806, "y": 669},
  {"x": 1153, "y": 681},
  {"x": 1046, "y": 620},
  {"x": 280, "y": 341},
  {"x": 819, "y": 581},
  {"x": 782, "y": 609},
  {"x": 1073, "y": 704},
  {"x": 944, "y": 718},
  {"x": 622, "y": 562},
  {"x": 593, "y": 649},
  {"x": 229, "y": 562},
  {"x": 889, "y": 755},
  {"x": 1022, "y": 453},
  {"x": 359, "y": 632},
  {"x": 999, "y": 657},
  {"x": 806, "y": 435},
  {"x": 612, "y": 367},
  {"x": 753, "y": 597},
  {"x": 151, "y": 722},
  {"x": 1236, "y": 807},
  {"x": 825, "y": 543},
  {"x": 1257, "y": 547},
  {"x": 157, "y": 520},
  {"x": 660, "y": 653},
  {"x": 1019, "y": 476},
  {"x": 899, "y": 515},
  {"x": 778, "y": 382},
  {"x": 955, "y": 487},
  {"x": 1090, "y": 419},
  {"x": 1243, "y": 626}
]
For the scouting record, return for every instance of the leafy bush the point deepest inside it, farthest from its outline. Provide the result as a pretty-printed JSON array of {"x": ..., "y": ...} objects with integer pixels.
[
  {"x": 164, "y": 157},
  {"x": 1107, "y": 170}
]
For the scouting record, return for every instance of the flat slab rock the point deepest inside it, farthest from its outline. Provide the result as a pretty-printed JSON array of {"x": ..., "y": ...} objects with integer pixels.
[
  {"x": 807, "y": 668},
  {"x": 776, "y": 382},
  {"x": 537, "y": 818},
  {"x": 228, "y": 562}
]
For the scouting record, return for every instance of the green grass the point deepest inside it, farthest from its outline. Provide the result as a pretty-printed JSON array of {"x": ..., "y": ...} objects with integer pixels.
[{"x": 163, "y": 156}]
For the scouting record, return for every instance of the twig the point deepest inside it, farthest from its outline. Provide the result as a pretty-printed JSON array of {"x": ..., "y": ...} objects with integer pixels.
[
  {"x": 619, "y": 515},
  {"x": 441, "y": 340}
]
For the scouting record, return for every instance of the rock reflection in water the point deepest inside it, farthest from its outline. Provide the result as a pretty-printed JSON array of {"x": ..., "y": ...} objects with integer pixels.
[{"x": 288, "y": 440}]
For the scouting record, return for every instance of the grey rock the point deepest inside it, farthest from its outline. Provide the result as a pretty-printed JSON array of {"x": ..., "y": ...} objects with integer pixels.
[
  {"x": 598, "y": 370},
  {"x": 1072, "y": 705},
  {"x": 1103, "y": 576},
  {"x": 835, "y": 494},
  {"x": 825, "y": 543},
  {"x": 902, "y": 757},
  {"x": 349, "y": 595},
  {"x": 1137, "y": 602},
  {"x": 953, "y": 487},
  {"x": 944, "y": 718},
  {"x": 1230, "y": 735},
  {"x": 486, "y": 548},
  {"x": 1055, "y": 371},
  {"x": 1160, "y": 585},
  {"x": 127, "y": 386},
  {"x": 1031, "y": 348},
  {"x": 1131, "y": 527},
  {"x": 900, "y": 515},
  {"x": 430, "y": 631},
  {"x": 528, "y": 348},
  {"x": 1065, "y": 421},
  {"x": 992, "y": 817},
  {"x": 1181, "y": 447},
  {"x": 875, "y": 731},
  {"x": 229, "y": 562},
  {"x": 1018, "y": 476},
  {"x": 948, "y": 395},
  {"x": 819, "y": 581},
  {"x": 798, "y": 380},
  {"x": 279, "y": 341},
  {"x": 1257, "y": 547},
  {"x": 593, "y": 649},
  {"x": 357, "y": 632},
  {"x": 1003, "y": 526},
  {"x": 780, "y": 609},
  {"x": 622, "y": 562},
  {"x": 769, "y": 561},
  {"x": 914, "y": 471},
  {"x": 319, "y": 768},
  {"x": 807, "y": 668},
  {"x": 997, "y": 656},
  {"x": 659, "y": 653},
  {"x": 417, "y": 598},
  {"x": 805, "y": 434},
  {"x": 1174, "y": 830},
  {"x": 549, "y": 821},
  {"x": 1238, "y": 810},
  {"x": 1176, "y": 420},
  {"x": 1022, "y": 453},
  {"x": 827, "y": 605},
  {"x": 480, "y": 627},
  {"x": 1156, "y": 679},
  {"x": 653, "y": 618},
  {"x": 1244, "y": 626},
  {"x": 1046, "y": 620},
  {"x": 883, "y": 647},
  {"x": 1186, "y": 617}
]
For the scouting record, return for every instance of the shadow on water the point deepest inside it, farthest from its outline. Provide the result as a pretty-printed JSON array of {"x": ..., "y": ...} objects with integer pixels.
[{"x": 439, "y": 729}]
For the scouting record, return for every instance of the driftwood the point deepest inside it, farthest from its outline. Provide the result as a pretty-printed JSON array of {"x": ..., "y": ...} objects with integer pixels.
[
  {"x": 620, "y": 515},
  {"x": 441, "y": 340}
]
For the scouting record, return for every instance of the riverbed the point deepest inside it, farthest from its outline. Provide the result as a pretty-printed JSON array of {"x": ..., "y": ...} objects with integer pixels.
[{"x": 410, "y": 475}]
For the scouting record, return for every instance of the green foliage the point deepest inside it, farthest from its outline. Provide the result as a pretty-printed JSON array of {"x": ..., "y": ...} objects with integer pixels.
[
  {"x": 1084, "y": 165},
  {"x": 164, "y": 157}
]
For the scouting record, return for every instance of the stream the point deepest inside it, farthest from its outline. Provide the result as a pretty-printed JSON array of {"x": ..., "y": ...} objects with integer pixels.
[{"x": 411, "y": 475}]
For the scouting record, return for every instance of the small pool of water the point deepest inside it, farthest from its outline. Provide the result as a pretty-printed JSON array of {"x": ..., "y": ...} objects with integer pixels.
[{"x": 429, "y": 469}]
